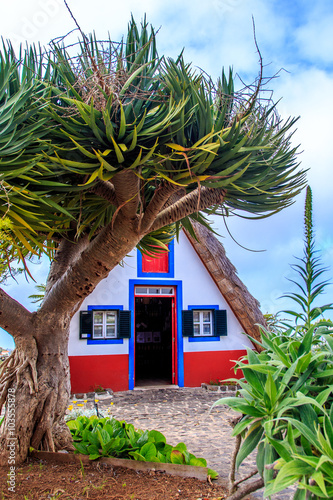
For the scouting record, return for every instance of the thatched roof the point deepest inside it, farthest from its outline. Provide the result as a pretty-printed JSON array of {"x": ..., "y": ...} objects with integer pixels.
[{"x": 245, "y": 307}]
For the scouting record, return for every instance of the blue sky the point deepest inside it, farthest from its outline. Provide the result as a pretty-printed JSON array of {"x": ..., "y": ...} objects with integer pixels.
[{"x": 295, "y": 37}]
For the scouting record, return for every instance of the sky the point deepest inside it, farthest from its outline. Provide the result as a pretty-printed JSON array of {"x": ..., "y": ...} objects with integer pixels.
[{"x": 296, "y": 42}]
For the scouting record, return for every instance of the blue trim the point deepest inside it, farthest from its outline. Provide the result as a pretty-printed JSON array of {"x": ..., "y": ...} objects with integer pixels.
[
  {"x": 179, "y": 307},
  {"x": 203, "y": 338},
  {"x": 105, "y": 308},
  {"x": 203, "y": 307},
  {"x": 105, "y": 341},
  {"x": 170, "y": 274}
]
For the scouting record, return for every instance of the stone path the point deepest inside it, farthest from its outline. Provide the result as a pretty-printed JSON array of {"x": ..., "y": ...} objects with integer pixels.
[{"x": 183, "y": 416}]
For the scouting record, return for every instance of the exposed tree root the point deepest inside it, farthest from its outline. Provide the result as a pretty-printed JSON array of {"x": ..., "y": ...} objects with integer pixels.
[
  {"x": 62, "y": 437},
  {"x": 232, "y": 473},
  {"x": 24, "y": 356},
  {"x": 42, "y": 436},
  {"x": 251, "y": 474},
  {"x": 35, "y": 415}
]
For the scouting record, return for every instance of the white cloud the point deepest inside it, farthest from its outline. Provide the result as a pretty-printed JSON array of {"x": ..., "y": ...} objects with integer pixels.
[
  {"x": 315, "y": 37},
  {"x": 309, "y": 93}
]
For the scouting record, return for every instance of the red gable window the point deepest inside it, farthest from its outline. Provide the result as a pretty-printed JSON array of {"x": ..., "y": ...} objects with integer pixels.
[{"x": 155, "y": 264}]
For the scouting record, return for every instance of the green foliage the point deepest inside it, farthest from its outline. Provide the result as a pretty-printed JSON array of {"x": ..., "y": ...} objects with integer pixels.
[
  {"x": 287, "y": 413},
  {"x": 309, "y": 271},
  {"x": 7, "y": 255},
  {"x": 104, "y": 437},
  {"x": 68, "y": 123},
  {"x": 5, "y": 227},
  {"x": 287, "y": 390}
]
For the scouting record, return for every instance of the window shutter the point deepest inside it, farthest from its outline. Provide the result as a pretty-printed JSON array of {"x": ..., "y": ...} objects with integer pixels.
[
  {"x": 124, "y": 324},
  {"x": 155, "y": 263},
  {"x": 187, "y": 323},
  {"x": 220, "y": 323},
  {"x": 86, "y": 324}
]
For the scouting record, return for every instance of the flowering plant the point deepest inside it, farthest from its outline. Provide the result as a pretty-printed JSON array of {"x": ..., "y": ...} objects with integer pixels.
[{"x": 78, "y": 409}]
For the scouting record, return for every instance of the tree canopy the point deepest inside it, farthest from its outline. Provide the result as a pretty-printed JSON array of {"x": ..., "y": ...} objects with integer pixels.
[{"x": 120, "y": 128}]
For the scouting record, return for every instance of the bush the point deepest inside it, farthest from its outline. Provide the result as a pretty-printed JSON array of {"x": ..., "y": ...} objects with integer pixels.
[
  {"x": 287, "y": 412},
  {"x": 108, "y": 437}
]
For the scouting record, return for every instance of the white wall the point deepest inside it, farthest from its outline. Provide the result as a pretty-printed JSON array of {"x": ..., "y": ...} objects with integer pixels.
[
  {"x": 113, "y": 290},
  {"x": 198, "y": 289}
]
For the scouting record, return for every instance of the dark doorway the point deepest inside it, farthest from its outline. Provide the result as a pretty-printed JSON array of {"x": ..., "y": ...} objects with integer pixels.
[{"x": 153, "y": 340}]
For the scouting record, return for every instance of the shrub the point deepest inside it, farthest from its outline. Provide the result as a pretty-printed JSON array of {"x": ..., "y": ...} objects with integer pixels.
[
  {"x": 108, "y": 437},
  {"x": 286, "y": 411}
]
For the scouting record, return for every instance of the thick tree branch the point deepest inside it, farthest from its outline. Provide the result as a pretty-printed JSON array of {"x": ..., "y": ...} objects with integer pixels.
[
  {"x": 105, "y": 190},
  {"x": 127, "y": 188},
  {"x": 197, "y": 200},
  {"x": 175, "y": 197},
  {"x": 67, "y": 252},
  {"x": 158, "y": 201},
  {"x": 92, "y": 265},
  {"x": 14, "y": 318}
]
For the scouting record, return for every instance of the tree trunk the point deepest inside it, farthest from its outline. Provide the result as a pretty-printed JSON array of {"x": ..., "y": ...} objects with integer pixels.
[{"x": 36, "y": 382}]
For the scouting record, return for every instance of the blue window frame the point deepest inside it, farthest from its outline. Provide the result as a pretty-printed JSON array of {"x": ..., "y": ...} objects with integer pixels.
[
  {"x": 221, "y": 327},
  {"x": 105, "y": 341}
]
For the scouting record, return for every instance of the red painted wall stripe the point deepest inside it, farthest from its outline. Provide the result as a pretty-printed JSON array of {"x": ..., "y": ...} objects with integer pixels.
[
  {"x": 87, "y": 372},
  {"x": 212, "y": 365}
]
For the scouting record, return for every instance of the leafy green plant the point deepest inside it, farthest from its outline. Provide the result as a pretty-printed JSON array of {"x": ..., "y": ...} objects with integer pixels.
[
  {"x": 286, "y": 411},
  {"x": 97, "y": 388},
  {"x": 105, "y": 437},
  {"x": 217, "y": 381},
  {"x": 286, "y": 393},
  {"x": 6, "y": 239},
  {"x": 214, "y": 381}
]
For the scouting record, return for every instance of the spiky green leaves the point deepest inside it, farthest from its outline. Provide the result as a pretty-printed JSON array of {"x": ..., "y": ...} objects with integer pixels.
[
  {"x": 287, "y": 413},
  {"x": 309, "y": 271},
  {"x": 120, "y": 107}
]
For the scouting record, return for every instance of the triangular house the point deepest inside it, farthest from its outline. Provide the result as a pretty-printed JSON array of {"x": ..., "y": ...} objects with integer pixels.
[{"x": 178, "y": 319}]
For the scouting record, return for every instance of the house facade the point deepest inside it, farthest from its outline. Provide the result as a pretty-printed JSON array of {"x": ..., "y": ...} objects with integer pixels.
[{"x": 162, "y": 319}]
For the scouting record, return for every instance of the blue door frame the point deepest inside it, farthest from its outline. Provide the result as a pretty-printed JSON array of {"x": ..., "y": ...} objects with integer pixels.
[{"x": 179, "y": 306}]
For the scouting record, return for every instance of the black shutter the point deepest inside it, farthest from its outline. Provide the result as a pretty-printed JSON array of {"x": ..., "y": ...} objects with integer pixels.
[
  {"x": 86, "y": 324},
  {"x": 220, "y": 323},
  {"x": 187, "y": 323},
  {"x": 124, "y": 324}
]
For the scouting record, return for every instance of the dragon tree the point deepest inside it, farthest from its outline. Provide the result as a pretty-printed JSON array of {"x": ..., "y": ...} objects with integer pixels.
[{"x": 100, "y": 152}]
